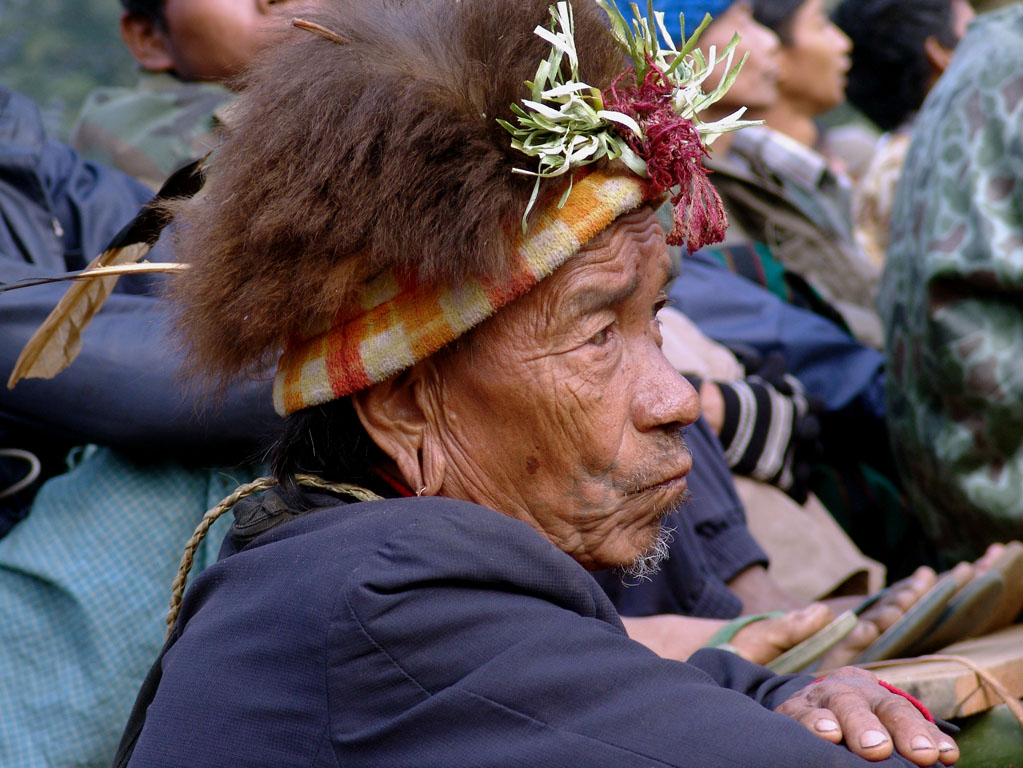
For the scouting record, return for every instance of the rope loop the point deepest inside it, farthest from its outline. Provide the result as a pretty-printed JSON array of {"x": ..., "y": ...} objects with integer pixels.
[{"x": 256, "y": 486}]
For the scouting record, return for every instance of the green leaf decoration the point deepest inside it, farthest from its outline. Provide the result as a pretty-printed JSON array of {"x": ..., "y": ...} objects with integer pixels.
[{"x": 564, "y": 124}]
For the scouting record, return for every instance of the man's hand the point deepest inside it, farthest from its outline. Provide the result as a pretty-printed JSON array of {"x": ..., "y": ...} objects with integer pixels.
[
  {"x": 894, "y": 602},
  {"x": 849, "y": 704},
  {"x": 760, "y": 593}
]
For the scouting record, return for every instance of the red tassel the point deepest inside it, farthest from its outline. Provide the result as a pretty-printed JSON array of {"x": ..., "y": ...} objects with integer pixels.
[{"x": 673, "y": 152}]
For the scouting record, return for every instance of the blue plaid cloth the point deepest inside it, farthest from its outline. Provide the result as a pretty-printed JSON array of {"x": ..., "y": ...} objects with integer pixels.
[{"x": 84, "y": 587}]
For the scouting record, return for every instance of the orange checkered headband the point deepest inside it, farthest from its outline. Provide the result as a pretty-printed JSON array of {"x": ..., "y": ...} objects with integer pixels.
[{"x": 397, "y": 322}]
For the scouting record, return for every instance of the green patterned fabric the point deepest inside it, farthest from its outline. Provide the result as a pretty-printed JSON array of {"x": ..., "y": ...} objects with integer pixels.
[
  {"x": 85, "y": 582},
  {"x": 952, "y": 297},
  {"x": 152, "y": 130}
]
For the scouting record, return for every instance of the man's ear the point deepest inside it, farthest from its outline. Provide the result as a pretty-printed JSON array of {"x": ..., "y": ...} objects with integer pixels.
[
  {"x": 147, "y": 41},
  {"x": 938, "y": 55},
  {"x": 400, "y": 417}
]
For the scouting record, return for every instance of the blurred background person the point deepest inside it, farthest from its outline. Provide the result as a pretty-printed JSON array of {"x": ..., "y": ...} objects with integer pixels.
[
  {"x": 84, "y": 574},
  {"x": 900, "y": 48},
  {"x": 788, "y": 212},
  {"x": 189, "y": 53},
  {"x": 813, "y": 58},
  {"x": 813, "y": 62},
  {"x": 767, "y": 183},
  {"x": 128, "y": 461}
]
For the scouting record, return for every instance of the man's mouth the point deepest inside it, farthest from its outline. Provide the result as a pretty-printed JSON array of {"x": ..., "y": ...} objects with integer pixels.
[{"x": 674, "y": 483}]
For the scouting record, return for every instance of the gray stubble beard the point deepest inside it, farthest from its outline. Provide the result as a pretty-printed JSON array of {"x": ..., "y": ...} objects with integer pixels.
[{"x": 648, "y": 562}]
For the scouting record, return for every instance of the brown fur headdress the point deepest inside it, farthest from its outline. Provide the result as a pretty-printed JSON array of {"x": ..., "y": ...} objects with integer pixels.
[{"x": 344, "y": 160}]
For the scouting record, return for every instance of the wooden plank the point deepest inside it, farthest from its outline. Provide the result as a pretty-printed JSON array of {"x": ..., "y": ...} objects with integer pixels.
[{"x": 950, "y": 689}]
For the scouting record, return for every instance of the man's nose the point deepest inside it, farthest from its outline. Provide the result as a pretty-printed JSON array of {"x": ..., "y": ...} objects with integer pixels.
[
  {"x": 770, "y": 43},
  {"x": 664, "y": 397}
]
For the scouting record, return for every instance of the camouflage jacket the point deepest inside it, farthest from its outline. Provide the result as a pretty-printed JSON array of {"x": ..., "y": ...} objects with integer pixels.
[
  {"x": 952, "y": 296},
  {"x": 152, "y": 130}
]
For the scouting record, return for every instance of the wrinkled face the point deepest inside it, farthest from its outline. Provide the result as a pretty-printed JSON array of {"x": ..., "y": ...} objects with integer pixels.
[
  {"x": 816, "y": 60},
  {"x": 756, "y": 87},
  {"x": 216, "y": 39},
  {"x": 561, "y": 410}
]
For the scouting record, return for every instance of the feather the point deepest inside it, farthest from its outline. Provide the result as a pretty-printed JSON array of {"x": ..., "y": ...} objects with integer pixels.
[
  {"x": 141, "y": 268},
  {"x": 319, "y": 29},
  {"x": 55, "y": 345}
]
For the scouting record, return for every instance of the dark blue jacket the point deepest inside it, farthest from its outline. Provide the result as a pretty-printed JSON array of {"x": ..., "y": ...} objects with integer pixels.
[
  {"x": 56, "y": 214},
  {"x": 56, "y": 211},
  {"x": 834, "y": 367},
  {"x": 432, "y": 632}
]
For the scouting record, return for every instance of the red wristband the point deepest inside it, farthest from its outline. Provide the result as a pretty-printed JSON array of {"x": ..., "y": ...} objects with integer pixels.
[{"x": 908, "y": 697}]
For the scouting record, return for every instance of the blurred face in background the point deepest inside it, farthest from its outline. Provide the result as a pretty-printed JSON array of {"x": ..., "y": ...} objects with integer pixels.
[
  {"x": 814, "y": 59},
  {"x": 207, "y": 40},
  {"x": 757, "y": 84},
  {"x": 216, "y": 39}
]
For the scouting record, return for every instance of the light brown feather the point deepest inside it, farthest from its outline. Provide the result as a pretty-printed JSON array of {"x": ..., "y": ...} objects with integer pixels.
[{"x": 55, "y": 345}]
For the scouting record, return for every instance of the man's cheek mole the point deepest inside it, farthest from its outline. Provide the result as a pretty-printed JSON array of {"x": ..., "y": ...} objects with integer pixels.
[{"x": 532, "y": 464}]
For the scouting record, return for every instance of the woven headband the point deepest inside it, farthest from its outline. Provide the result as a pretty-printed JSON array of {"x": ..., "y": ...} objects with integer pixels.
[{"x": 400, "y": 322}]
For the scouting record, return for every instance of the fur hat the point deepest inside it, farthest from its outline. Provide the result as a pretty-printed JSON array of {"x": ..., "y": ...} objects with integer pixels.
[{"x": 346, "y": 161}]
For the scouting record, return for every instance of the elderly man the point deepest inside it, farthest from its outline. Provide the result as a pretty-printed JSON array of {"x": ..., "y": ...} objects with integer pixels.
[
  {"x": 494, "y": 385},
  {"x": 890, "y": 76}
]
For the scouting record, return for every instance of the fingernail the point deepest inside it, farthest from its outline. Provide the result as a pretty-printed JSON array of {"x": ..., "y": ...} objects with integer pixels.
[
  {"x": 826, "y": 725},
  {"x": 921, "y": 742},
  {"x": 946, "y": 746},
  {"x": 872, "y": 739}
]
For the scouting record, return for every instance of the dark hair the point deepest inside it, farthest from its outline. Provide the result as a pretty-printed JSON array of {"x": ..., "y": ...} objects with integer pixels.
[
  {"x": 777, "y": 16},
  {"x": 890, "y": 73},
  {"x": 328, "y": 441},
  {"x": 150, "y": 9}
]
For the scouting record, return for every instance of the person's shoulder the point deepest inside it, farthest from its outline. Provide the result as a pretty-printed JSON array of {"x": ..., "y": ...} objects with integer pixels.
[
  {"x": 153, "y": 89},
  {"x": 393, "y": 543},
  {"x": 984, "y": 79},
  {"x": 428, "y": 524},
  {"x": 20, "y": 123},
  {"x": 1004, "y": 22}
]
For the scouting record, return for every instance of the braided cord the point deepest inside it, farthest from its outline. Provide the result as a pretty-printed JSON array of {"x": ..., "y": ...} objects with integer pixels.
[{"x": 214, "y": 514}]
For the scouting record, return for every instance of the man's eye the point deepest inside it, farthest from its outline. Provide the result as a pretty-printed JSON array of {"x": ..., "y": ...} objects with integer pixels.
[{"x": 601, "y": 337}]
